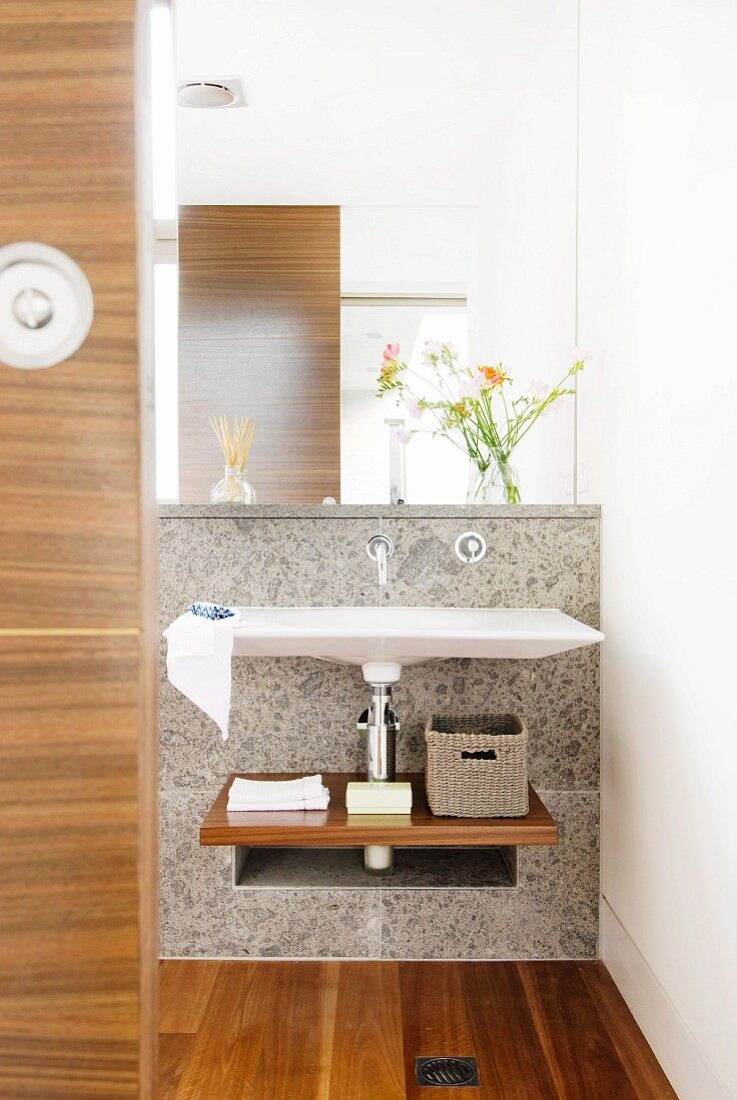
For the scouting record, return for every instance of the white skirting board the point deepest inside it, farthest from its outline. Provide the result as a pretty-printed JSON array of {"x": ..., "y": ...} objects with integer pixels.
[{"x": 683, "y": 1061}]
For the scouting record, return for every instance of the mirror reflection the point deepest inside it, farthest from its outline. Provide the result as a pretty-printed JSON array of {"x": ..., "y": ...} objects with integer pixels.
[{"x": 369, "y": 257}]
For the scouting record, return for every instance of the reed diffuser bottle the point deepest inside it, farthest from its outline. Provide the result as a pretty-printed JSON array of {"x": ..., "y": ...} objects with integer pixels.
[{"x": 235, "y": 442}]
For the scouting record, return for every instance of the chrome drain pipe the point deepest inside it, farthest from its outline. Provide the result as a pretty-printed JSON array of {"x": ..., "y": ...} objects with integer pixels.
[{"x": 379, "y": 723}]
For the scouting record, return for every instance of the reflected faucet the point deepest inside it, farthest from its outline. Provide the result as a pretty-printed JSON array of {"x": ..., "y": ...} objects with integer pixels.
[{"x": 380, "y": 548}]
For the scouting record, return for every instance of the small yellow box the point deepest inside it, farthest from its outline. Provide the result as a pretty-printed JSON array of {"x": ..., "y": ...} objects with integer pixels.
[{"x": 378, "y": 798}]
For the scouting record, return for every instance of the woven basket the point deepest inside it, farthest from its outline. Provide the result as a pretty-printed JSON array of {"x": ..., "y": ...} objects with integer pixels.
[{"x": 476, "y": 765}]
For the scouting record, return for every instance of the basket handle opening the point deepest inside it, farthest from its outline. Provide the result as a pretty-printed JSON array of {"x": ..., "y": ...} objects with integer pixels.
[{"x": 480, "y": 754}]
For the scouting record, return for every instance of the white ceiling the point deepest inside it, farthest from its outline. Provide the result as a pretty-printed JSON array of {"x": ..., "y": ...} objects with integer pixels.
[{"x": 394, "y": 102}]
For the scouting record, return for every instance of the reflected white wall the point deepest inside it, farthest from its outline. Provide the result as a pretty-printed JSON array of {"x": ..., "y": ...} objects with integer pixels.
[
  {"x": 522, "y": 303},
  {"x": 416, "y": 252},
  {"x": 411, "y": 249},
  {"x": 437, "y": 472}
]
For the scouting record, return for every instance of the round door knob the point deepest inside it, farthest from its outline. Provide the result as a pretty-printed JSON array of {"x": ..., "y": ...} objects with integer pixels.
[
  {"x": 33, "y": 308},
  {"x": 46, "y": 305}
]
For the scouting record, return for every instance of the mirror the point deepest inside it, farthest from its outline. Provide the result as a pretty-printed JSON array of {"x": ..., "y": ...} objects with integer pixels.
[{"x": 371, "y": 176}]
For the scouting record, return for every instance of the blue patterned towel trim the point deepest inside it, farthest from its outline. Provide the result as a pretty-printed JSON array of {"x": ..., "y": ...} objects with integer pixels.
[{"x": 211, "y": 611}]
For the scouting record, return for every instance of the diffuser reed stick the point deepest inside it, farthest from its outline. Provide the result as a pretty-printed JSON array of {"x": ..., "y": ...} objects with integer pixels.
[
  {"x": 235, "y": 440},
  {"x": 249, "y": 431}
]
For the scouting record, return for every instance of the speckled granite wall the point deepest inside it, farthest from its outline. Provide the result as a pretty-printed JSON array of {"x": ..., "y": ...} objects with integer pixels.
[{"x": 299, "y": 715}]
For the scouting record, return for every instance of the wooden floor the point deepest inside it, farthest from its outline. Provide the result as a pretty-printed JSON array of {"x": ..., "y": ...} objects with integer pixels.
[{"x": 351, "y": 1031}]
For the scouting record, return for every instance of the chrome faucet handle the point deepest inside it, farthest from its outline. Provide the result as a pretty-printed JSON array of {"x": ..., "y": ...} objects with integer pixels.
[
  {"x": 470, "y": 547},
  {"x": 380, "y": 548}
]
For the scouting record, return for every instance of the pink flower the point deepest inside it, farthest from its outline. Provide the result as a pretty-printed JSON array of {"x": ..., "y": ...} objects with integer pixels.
[
  {"x": 470, "y": 387},
  {"x": 403, "y": 436},
  {"x": 431, "y": 349},
  {"x": 391, "y": 351},
  {"x": 414, "y": 409},
  {"x": 539, "y": 390}
]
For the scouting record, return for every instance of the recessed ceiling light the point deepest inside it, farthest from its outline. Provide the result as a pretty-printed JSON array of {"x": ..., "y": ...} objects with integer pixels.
[{"x": 211, "y": 92}]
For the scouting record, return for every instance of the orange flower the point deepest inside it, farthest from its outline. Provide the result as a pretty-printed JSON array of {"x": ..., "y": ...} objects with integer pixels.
[
  {"x": 461, "y": 409},
  {"x": 493, "y": 375}
]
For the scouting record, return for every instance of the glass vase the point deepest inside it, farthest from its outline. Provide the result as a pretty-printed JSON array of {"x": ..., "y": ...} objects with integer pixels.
[
  {"x": 249, "y": 493},
  {"x": 230, "y": 489},
  {"x": 497, "y": 484}
]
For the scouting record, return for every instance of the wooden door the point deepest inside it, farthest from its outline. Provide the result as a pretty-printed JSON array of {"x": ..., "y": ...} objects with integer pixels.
[{"x": 77, "y": 765}]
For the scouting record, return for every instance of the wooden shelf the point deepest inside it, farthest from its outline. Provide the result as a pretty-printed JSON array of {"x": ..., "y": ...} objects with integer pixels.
[{"x": 334, "y": 828}]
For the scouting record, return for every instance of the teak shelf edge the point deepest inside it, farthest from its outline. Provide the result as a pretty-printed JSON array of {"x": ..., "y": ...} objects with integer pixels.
[{"x": 333, "y": 828}]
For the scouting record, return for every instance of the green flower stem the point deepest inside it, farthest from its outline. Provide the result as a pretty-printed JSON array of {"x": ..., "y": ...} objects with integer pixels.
[{"x": 511, "y": 490}]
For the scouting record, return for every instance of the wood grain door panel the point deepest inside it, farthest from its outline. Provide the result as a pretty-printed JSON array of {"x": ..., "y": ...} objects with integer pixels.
[
  {"x": 77, "y": 756},
  {"x": 69, "y": 836},
  {"x": 69, "y": 465}
]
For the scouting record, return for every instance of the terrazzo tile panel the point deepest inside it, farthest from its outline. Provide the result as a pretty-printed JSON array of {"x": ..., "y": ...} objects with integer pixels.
[{"x": 299, "y": 714}]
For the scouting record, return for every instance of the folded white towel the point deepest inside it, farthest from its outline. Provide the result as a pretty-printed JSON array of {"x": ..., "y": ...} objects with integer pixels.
[
  {"x": 275, "y": 790},
  {"x": 198, "y": 659},
  {"x": 307, "y": 793},
  {"x": 320, "y": 803}
]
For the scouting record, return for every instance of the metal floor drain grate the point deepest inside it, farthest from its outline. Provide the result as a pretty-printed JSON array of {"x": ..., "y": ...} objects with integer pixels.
[{"x": 447, "y": 1072}]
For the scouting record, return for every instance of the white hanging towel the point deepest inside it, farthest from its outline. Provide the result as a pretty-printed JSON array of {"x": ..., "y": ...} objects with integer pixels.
[{"x": 198, "y": 660}]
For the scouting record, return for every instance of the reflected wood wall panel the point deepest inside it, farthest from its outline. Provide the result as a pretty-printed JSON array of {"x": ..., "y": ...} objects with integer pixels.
[
  {"x": 259, "y": 335},
  {"x": 77, "y": 757}
]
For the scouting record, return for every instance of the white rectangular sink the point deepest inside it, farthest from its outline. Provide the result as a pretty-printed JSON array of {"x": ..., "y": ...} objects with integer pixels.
[{"x": 384, "y": 639}]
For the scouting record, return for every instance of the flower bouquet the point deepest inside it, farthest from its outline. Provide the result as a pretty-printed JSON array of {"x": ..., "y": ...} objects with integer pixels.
[{"x": 474, "y": 409}]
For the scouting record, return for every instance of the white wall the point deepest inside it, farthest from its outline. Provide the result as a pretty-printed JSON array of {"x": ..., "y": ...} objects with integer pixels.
[
  {"x": 522, "y": 304},
  {"x": 658, "y": 256}
]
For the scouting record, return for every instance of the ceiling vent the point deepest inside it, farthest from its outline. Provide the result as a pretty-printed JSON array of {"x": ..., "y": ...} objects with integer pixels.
[{"x": 211, "y": 93}]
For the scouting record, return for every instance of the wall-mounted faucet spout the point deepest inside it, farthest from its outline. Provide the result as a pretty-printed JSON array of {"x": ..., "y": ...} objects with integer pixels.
[{"x": 380, "y": 548}]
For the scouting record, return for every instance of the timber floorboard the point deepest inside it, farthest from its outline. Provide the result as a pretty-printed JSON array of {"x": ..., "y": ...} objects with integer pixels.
[{"x": 327, "y": 1030}]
